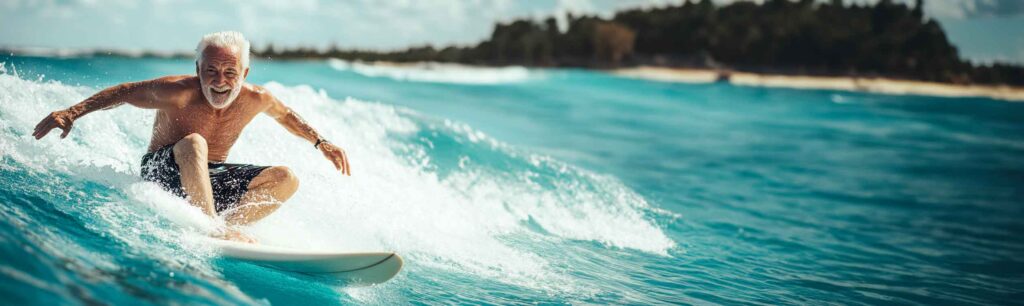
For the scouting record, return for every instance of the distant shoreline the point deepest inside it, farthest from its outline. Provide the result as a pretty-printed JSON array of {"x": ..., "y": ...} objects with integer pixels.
[{"x": 880, "y": 85}]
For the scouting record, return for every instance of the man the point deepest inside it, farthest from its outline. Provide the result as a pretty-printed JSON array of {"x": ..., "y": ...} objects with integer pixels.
[{"x": 198, "y": 119}]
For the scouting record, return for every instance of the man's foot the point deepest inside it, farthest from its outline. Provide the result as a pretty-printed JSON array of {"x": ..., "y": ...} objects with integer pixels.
[{"x": 234, "y": 234}]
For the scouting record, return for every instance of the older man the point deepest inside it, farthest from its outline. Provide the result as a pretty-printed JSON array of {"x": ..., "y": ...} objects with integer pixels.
[{"x": 198, "y": 119}]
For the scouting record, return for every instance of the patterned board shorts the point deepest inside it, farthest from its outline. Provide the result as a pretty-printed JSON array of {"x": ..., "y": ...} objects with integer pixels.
[{"x": 229, "y": 181}]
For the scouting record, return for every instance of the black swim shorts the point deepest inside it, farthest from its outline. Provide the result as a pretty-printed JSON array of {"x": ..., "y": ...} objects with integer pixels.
[{"x": 229, "y": 181}]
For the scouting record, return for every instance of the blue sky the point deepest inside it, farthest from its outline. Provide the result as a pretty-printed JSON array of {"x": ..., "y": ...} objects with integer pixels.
[{"x": 984, "y": 30}]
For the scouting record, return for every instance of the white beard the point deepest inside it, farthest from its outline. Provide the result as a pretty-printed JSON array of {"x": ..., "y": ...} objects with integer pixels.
[{"x": 208, "y": 92}]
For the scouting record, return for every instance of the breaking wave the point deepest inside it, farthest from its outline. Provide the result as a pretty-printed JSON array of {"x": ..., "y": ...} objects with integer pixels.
[
  {"x": 446, "y": 196},
  {"x": 436, "y": 72}
]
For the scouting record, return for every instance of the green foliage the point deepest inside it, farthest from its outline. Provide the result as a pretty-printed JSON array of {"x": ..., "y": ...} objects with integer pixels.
[{"x": 778, "y": 36}]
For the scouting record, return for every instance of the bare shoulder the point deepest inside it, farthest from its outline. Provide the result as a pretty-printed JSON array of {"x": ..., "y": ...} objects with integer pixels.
[
  {"x": 174, "y": 86},
  {"x": 257, "y": 90},
  {"x": 269, "y": 104},
  {"x": 174, "y": 82},
  {"x": 259, "y": 93}
]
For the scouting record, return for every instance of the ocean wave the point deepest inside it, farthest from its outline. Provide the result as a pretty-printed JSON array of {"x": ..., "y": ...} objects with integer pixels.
[
  {"x": 90, "y": 52},
  {"x": 436, "y": 72},
  {"x": 447, "y": 196}
]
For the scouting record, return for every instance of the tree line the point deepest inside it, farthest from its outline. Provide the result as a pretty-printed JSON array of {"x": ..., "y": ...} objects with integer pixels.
[
  {"x": 800, "y": 37},
  {"x": 804, "y": 37}
]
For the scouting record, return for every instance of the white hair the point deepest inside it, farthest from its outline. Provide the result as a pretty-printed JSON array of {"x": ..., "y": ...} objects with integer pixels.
[{"x": 231, "y": 40}]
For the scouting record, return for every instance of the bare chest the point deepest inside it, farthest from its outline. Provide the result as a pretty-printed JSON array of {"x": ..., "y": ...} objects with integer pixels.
[{"x": 220, "y": 128}]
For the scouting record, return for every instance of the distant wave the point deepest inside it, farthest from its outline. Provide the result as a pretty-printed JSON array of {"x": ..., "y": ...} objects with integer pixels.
[
  {"x": 436, "y": 72},
  {"x": 89, "y": 52}
]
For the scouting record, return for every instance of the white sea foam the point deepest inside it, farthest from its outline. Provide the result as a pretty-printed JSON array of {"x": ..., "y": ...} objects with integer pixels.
[
  {"x": 436, "y": 72},
  {"x": 394, "y": 200},
  {"x": 105, "y": 149}
]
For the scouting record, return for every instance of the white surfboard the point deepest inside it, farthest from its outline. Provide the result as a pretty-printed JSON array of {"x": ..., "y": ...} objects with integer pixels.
[{"x": 365, "y": 268}]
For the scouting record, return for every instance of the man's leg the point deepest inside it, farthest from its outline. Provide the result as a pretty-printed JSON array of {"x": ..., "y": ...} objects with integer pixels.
[
  {"x": 266, "y": 192},
  {"x": 190, "y": 155}
]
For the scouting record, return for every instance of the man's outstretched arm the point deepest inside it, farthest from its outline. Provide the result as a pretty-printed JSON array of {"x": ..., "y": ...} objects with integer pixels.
[
  {"x": 155, "y": 94},
  {"x": 294, "y": 124}
]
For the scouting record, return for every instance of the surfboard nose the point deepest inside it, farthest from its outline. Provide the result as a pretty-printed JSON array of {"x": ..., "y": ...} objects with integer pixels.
[{"x": 375, "y": 274}]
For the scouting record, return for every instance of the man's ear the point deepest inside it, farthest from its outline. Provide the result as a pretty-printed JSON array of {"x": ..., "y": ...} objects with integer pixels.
[{"x": 246, "y": 74}]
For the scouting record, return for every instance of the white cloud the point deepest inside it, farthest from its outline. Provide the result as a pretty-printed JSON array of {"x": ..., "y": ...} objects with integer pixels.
[{"x": 164, "y": 24}]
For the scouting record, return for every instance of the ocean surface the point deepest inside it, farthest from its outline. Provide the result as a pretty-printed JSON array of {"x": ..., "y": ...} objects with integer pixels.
[{"x": 513, "y": 185}]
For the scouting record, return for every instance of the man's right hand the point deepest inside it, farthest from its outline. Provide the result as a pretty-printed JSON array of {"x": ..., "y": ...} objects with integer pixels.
[{"x": 62, "y": 119}]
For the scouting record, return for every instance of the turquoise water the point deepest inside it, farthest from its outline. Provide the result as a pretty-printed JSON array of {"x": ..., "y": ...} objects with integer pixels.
[{"x": 542, "y": 186}]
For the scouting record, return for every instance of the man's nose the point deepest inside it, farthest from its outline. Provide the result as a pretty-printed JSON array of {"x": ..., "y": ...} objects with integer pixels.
[{"x": 218, "y": 79}]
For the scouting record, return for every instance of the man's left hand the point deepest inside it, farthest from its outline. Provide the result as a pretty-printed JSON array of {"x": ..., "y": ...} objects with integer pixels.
[{"x": 337, "y": 156}]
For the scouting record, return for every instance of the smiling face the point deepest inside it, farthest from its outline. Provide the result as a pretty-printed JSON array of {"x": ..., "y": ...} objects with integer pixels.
[{"x": 221, "y": 75}]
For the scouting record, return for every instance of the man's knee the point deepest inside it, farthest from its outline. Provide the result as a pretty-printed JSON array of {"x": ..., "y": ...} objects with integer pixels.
[
  {"x": 192, "y": 146},
  {"x": 282, "y": 174},
  {"x": 279, "y": 181}
]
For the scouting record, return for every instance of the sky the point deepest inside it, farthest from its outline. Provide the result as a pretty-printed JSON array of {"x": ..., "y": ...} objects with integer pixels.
[{"x": 984, "y": 30}]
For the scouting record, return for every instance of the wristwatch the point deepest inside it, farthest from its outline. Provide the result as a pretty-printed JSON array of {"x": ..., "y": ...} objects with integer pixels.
[{"x": 318, "y": 142}]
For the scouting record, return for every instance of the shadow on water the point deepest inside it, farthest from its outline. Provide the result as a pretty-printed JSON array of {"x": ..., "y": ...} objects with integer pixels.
[{"x": 278, "y": 288}]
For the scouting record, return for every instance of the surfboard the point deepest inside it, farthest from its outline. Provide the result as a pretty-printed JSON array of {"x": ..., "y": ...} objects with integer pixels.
[{"x": 349, "y": 269}]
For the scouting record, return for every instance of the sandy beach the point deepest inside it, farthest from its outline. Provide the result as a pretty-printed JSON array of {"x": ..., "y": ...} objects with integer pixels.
[{"x": 873, "y": 85}]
